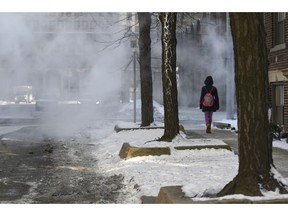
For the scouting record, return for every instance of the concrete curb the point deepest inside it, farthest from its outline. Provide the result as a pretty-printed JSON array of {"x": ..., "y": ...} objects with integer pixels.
[
  {"x": 203, "y": 147},
  {"x": 127, "y": 151},
  {"x": 175, "y": 195},
  {"x": 118, "y": 128}
]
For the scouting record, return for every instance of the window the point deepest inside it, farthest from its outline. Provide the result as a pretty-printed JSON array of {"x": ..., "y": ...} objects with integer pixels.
[
  {"x": 93, "y": 25},
  {"x": 278, "y": 28},
  {"x": 77, "y": 25},
  {"x": 84, "y": 26},
  {"x": 278, "y": 104},
  {"x": 52, "y": 26},
  {"x": 69, "y": 26},
  {"x": 280, "y": 95}
]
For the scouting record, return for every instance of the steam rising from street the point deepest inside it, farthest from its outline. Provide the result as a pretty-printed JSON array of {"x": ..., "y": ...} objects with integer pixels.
[
  {"x": 74, "y": 57},
  {"x": 83, "y": 60}
]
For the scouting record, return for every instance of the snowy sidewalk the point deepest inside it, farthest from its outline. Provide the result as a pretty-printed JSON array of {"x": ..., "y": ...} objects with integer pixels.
[
  {"x": 280, "y": 155},
  {"x": 175, "y": 195}
]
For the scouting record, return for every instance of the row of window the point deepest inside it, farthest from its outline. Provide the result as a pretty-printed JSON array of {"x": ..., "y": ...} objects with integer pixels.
[
  {"x": 279, "y": 28},
  {"x": 51, "y": 26},
  {"x": 278, "y": 90},
  {"x": 87, "y": 22},
  {"x": 68, "y": 15}
]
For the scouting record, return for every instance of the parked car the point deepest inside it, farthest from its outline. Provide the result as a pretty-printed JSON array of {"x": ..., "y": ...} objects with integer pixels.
[
  {"x": 89, "y": 100},
  {"x": 23, "y": 94},
  {"x": 46, "y": 102}
]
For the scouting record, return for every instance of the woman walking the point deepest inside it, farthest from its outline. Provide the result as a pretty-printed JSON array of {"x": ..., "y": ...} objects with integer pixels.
[{"x": 209, "y": 101}]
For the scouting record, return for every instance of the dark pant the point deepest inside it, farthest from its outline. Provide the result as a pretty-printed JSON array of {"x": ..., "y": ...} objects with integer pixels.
[{"x": 208, "y": 117}]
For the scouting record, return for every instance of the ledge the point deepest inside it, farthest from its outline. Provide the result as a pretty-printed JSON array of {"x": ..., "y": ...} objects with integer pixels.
[
  {"x": 118, "y": 129},
  {"x": 175, "y": 195},
  {"x": 128, "y": 151},
  {"x": 199, "y": 147},
  {"x": 222, "y": 125}
]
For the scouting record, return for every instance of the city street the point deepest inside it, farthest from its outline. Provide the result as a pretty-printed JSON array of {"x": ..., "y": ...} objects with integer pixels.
[
  {"x": 49, "y": 160},
  {"x": 40, "y": 169},
  {"x": 54, "y": 160},
  {"x": 71, "y": 90},
  {"x": 46, "y": 157},
  {"x": 40, "y": 164}
]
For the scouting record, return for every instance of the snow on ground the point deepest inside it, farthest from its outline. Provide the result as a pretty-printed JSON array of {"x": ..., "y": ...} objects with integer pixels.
[
  {"x": 198, "y": 171},
  {"x": 281, "y": 144}
]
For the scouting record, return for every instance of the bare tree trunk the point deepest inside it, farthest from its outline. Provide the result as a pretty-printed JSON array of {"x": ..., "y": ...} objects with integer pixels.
[
  {"x": 255, "y": 144},
  {"x": 171, "y": 119},
  {"x": 145, "y": 69}
]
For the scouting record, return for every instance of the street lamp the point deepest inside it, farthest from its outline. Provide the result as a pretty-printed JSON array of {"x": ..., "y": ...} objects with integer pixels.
[{"x": 134, "y": 50}]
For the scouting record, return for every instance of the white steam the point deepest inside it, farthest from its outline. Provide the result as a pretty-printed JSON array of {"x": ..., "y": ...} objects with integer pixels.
[{"x": 69, "y": 55}]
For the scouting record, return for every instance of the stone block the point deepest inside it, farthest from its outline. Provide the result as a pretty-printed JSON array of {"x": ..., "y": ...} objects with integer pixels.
[
  {"x": 222, "y": 125},
  {"x": 117, "y": 128},
  {"x": 128, "y": 151},
  {"x": 148, "y": 200},
  {"x": 199, "y": 147}
]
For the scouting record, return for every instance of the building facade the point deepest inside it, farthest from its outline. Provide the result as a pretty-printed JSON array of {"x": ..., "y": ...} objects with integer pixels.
[
  {"x": 64, "y": 53},
  {"x": 276, "y": 26}
]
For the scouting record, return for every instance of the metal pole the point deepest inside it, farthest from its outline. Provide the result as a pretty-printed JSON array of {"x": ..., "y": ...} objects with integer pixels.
[
  {"x": 230, "y": 78},
  {"x": 134, "y": 69}
]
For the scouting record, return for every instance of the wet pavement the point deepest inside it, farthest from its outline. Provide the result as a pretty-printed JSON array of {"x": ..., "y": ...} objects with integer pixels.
[{"x": 35, "y": 168}]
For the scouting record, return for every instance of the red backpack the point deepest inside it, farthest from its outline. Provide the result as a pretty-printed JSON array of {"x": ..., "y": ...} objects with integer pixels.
[{"x": 208, "y": 99}]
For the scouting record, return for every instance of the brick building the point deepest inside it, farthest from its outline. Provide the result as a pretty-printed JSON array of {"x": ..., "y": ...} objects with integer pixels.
[{"x": 276, "y": 26}]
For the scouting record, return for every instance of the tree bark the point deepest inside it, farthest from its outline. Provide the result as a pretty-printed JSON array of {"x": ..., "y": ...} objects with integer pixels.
[
  {"x": 145, "y": 69},
  {"x": 168, "y": 38},
  {"x": 254, "y": 140}
]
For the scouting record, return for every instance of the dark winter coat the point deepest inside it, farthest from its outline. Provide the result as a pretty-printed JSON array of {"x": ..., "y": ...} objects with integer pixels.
[{"x": 209, "y": 85}]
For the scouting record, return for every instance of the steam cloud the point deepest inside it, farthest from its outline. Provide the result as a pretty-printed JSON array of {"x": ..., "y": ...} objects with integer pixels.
[{"x": 56, "y": 59}]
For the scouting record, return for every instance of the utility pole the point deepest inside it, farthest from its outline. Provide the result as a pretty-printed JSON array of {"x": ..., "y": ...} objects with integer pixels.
[
  {"x": 230, "y": 78},
  {"x": 134, "y": 47},
  {"x": 134, "y": 69}
]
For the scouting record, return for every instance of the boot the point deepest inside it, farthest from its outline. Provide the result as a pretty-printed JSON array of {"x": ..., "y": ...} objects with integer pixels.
[{"x": 208, "y": 128}]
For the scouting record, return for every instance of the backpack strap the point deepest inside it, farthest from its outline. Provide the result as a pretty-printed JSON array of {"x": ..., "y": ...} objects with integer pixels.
[{"x": 211, "y": 89}]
